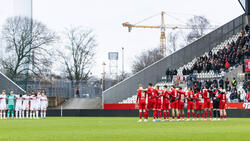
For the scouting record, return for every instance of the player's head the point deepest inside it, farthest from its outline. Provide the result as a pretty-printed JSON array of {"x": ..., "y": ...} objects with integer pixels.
[
  {"x": 38, "y": 91},
  {"x": 43, "y": 94},
  {"x": 27, "y": 93},
  {"x": 140, "y": 86},
  {"x": 11, "y": 92},
  {"x": 172, "y": 87},
  {"x": 180, "y": 88},
  {"x": 150, "y": 85},
  {"x": 20, "y": 95},
  {"x": 165, "y": 87},
  {"x": 157, "y": 87},
  {"x": 3, "y": 92},
  {"x": 189, "y": 89}
]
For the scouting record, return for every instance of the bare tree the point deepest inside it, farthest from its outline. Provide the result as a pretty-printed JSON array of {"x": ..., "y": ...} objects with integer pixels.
[
  {"x": 146, "y": 58},
  {"x": 172, "y": 39},
  {"x": 25, "y": 37},
  {"x": 78, "y": 54},
  {"x": 199, "y": 26}
]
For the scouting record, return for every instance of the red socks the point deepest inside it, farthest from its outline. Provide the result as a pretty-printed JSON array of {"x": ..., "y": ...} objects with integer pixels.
[
  {"x": 145, "y": 115},
  {"x": 188, "y": 114},
  {"x": 210, "y": 114},
  {"x": 193, "y": 115},
  {"x": 197, "y": 115},
  {"x": 183, "y": 116},
  {"x": 205, "y": 114},
  {"x": 178, "y": 117},
  {"x": 159, "y": 114},
  {"x": 164, "y": 115},
  {"x": 167, "y": 115},
  {"x": 225, "y": 116},
  {"x": 221, "y": 116},
  {"x": 140, "y": 115},
  {"x": 173, "y": 117}
]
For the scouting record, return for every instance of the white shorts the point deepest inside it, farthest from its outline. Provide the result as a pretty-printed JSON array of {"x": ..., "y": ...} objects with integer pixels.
[
  {"x": 43, "y": 107},
  {"x": 3, "y": 106},
  {"x": 33, "y": 107},
  {"x": 25, "y": 107},
  {"x": 18, "y": 107}
]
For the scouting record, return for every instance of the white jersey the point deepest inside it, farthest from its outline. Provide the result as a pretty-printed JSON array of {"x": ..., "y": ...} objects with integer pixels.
[
  {"x": 26, "y": 100},
  {"x": 19, "y": 101},
  {"x": 44, "y": 102},
  {"x": 38, "y": 101},
  {"x": 33, "y": 103},
  {"x": 3, "y": 105}
]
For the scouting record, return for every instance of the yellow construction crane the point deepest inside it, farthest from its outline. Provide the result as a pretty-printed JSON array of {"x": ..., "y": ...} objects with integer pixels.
[{"x": 162, "y": 28}]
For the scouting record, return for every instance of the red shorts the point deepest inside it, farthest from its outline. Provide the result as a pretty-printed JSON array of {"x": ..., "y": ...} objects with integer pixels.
[
  {"x": 222, "y": 105},
  {"x": 165, "y": 106},
  {"x": 190, "y": 105},
  {"x": 174, "y": 105},
  {"x": 181, "y": 105},
  {"x": 199, "y": 106},
  {"x": 157, "y": 105},
  {"x": 150, "y": 104},
  {"x": 207, "y": 104},
  {"x": 142, "y": 105}
]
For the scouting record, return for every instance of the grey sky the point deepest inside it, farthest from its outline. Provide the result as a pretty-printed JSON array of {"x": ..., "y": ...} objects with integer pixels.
[{"x": 106, "y": 16}]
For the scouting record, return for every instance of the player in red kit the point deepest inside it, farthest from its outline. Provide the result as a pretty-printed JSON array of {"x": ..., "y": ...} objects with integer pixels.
[
  {"x": 157, "y": 104},
  {"x": 207, "y": 103},
  {"x": 181, "y": 102},
  {"x": 149, "y": 99},
  {"x": 223, "y": 100},
  {"x": 165, "y": 97},
  {"x": 199, "y": 105},
  {"x": 190, "y": 103},
  {"x": 248, "y": 97},
  {"x": 141, "y": 101},
  {"x": 174, "y": 103}
]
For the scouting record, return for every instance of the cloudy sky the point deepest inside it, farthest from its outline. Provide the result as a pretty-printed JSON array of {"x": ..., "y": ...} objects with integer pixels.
[{"x": 105, "y": 17}]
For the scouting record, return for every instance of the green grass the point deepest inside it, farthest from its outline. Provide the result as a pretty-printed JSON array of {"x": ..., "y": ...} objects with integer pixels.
[{"x": 122, "y": 129}]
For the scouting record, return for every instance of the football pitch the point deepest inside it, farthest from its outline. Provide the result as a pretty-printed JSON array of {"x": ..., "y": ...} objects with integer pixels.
[{"x": 122, "y": 129}]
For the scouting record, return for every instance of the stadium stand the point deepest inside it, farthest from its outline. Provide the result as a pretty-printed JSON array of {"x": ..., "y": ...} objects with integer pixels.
[
  {"x": 7, "y": 84},
  {"x": 212, "y": 42}
]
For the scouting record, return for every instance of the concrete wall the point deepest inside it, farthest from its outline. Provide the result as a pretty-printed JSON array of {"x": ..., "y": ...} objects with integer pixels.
[{"x": 153, "y": 73}]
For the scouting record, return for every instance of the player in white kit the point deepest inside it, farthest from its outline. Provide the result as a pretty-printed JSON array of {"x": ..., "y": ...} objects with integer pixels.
[
  {"x": 3, "y": 105},
  {"x": 38, "y": 102},
  {"x": 25, "y": 106},
  {"x": 18, "y": 106},
  {"x": 44, "y": 105},
  {"x": 33, "y": 105}
]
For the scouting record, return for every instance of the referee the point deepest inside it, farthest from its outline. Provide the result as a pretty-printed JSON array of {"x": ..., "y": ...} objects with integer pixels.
[{"x": 216, "y": 102}]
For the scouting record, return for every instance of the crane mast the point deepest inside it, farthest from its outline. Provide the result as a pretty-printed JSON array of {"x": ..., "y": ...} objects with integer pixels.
[{"x": 163, "y": 37}]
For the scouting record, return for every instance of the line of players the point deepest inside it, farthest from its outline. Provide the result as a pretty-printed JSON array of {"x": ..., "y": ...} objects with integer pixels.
[
  {"x": 31, "y": 104},
  {"x": 162, "y": 99}
]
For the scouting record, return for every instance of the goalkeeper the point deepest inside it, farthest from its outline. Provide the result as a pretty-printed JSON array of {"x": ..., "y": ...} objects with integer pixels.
[{"x": 11, "y": 104}]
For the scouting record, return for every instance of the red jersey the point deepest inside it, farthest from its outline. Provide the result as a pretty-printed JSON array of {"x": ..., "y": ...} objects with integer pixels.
[
  {"x": 181, "y": 95},
  {"x": 190, "y": 96},
  {"x": 206, "y": 94},
  {"x": 165, "y": 97},
  {"x": 141, "y": 96},
  {"x": 156, "y": 95},
  {"x": 248, "y": 97},
  {"x": 174, "y": 95},
  {"x": 199, "y": 97},
  {"x": 222, "y": 97},
  {"x": 150, "y": 94}
]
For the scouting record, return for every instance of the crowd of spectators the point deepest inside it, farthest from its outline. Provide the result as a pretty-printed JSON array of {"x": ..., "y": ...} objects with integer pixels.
[
  {"x": 170, "y": 73},
  {"x": 231, "y": 55}
]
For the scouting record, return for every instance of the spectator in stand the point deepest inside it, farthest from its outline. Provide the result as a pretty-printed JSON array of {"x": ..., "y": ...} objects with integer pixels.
[
  {"x": 215, "y": 83},
  {"x": 221, "y": 83},
  {"x": 167, "y": 74},
  {"x": 234, "y": 82},
  {"x": 245, "y": 83},
  {"x": 227, "y": 84},
  {"x": 77, "y": 92},
  {"x": 247, "y": 28}
]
